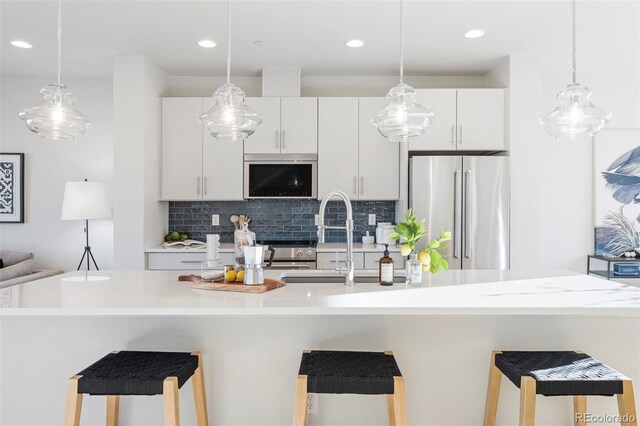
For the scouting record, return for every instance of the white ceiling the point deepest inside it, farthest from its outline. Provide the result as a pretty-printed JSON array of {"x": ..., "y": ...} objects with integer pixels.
[{"x": 309, "y": 34}]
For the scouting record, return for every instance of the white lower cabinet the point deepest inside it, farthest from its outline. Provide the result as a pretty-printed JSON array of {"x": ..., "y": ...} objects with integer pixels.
[
  {"x": 371, "y": 260},
  {"x": 182, "y": 261},
  {"x": 330, "y": 260}
]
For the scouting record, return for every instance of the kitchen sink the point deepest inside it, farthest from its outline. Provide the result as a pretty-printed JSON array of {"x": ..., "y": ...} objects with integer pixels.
[{"x": 332, "y": 277}]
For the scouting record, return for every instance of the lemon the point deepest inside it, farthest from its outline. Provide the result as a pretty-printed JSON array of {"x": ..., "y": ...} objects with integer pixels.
[
  {"x": 424, "y": 258},
  {"x": 230, "y": 276},
  {"x": 405, "y": 250},
  {"x": 240, "y": 276}
]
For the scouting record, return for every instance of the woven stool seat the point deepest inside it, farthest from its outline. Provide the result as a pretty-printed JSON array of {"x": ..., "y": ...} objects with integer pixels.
[
  {"x": 136, "y": 373},
  {"x": 561, "y": 373},
  {"x": 365, "y": 373}
]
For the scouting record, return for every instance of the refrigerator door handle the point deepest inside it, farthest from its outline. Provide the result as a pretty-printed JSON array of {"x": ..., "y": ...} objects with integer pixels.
[
  {"x": 467, "y": 216},
  {"x": 456, "y": 208}
]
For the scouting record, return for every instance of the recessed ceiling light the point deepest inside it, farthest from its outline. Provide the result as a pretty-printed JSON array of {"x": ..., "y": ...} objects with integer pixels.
[
  {"x": 474, "y": 34},
  {"x": 21, "y": 44},
  {"x": 355, "y": 43},
  {"x": 207, "y": 43},
  {"x": 258, "y": 42}
]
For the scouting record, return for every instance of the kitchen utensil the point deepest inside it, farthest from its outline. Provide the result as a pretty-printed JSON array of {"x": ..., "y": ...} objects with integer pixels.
[
  {"x": 241, "y": 238},
  {"x": 368, "y": 239},
  {"x": 253, "y": 260},
  {"x": 234, "y": 219}
]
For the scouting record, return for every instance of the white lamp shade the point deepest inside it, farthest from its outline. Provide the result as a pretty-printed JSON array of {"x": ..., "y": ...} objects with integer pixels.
[{"x": 85, "y": 200}]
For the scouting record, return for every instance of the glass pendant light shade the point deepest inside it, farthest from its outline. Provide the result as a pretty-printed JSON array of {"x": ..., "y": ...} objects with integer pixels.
[
  {"x": 403, "y": 118},
  {"x": 576, "y": 117},
  {"x": 56, "y": 117},
  {"x": 230, "y": 119}
]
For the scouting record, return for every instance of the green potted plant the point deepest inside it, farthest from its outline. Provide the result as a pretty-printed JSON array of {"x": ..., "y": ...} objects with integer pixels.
[{"x": 430, "y": 258}]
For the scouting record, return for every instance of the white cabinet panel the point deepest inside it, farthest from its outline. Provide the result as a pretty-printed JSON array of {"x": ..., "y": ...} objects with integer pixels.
[
  {"x": 481, "y": 119},
  {"x": 266, "y": 139},
  {"x": 181, "y": 149},
  {"x": 372, "y": 259},
  {"x": 330, "y": 260},
  {"x": 221, "y": 166},
  {"x": 338, "y": 146},
  {"x": 441, "y": 134},
  {"x": 299, "y": 125},
  {"x": 184, "y": 261},
  {"x": 379, "y": 158}
]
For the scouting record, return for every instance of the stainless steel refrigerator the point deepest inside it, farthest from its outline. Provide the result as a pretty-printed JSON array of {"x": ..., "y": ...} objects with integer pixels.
[{"x": 469, "y": 196}]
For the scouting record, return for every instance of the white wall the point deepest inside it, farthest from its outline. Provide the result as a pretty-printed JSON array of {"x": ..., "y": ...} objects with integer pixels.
[
  {"x": 322, "y": 85},
  {"x": 140, "y": 219},
  {"x": 49, "y": 164}
]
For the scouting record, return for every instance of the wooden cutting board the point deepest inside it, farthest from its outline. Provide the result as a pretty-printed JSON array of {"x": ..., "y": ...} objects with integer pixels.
[{"x": 198, "y": 283}]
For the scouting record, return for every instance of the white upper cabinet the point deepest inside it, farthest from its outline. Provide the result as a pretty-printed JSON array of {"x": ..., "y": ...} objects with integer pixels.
[
  {"x": 338, "y": 146},
  {"x": 440, "y": 136},
  {"x": 289, "y": 126},
  {"x": 266, "y": 139},
  {"x": 379, "y": 158},
  {"x": 481, "y": 119},
  {"x": 299, "y": 125},
  {"x": 181, "y": 149},
  {"x": 465, "y": 119},
  {"x": 221, "y": 166}
]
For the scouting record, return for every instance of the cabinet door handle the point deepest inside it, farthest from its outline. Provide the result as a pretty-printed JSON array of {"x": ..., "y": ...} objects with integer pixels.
[
  {"x": 460, "y": 134},
  {"x": 190, "y": 261},
  {"x": 284, "y": 143},
  {"x": 204, "y": 187},
  {"x": 277, "y": 139},
  {"x": 355, "y": 185},
  {"x": 361, "y": 185},
  {"x": 452, "y": 130},
  {"x": 198, "y": 186}
]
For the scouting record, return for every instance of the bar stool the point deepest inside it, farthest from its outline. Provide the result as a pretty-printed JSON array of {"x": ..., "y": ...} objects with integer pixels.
[
  {"x": 139, "y": 373},
  {"x": 564, "y": 373},
  {"x": 363, "y": 373}
]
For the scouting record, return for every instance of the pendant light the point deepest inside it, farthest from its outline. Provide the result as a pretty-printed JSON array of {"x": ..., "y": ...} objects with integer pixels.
[
  {"x": 575, "y": 117},
  {"x": 230, "y": 119},
  {"x": 56, "y": 117},
  {"x": 403, "y": 118}
]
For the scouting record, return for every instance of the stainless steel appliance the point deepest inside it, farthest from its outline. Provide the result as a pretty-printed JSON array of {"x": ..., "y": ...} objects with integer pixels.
[
  {"x": 468, "y": 195},
  {"x": 292, "y": 254},
  {"x": 280, "y": 176}
]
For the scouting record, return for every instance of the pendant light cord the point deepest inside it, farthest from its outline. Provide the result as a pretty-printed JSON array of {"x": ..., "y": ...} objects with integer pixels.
[
  {"x": 228, "y": 41},
  {"x": 401, "y": 47},
  {"x": 59, "y": 37},
  {"x": 573, "y": 28}
]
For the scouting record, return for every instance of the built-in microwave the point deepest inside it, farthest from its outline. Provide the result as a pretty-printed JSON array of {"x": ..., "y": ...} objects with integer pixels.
[{"x": 280, "y": 176}]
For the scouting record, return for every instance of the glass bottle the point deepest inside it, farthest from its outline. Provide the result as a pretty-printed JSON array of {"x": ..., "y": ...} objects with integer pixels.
[
  {"x": 385, "y": 268},
  {"x": 414, "y": 271}
]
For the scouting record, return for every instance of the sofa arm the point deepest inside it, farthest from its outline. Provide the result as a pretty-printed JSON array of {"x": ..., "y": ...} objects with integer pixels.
[{"x": 36, "y": 275}]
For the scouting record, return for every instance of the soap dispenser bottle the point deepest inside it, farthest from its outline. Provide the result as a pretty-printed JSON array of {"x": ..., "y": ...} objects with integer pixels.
[{"x": 385, "y": 268}]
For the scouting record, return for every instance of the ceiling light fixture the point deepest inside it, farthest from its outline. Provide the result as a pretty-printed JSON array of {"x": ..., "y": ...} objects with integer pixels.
[
  {"x": 474, "y": 34},
  {"x": 21, "y": 44},
  {"x": 230, "y": 119},
  {"x": 403, "y": 118},
  {"x": 207, "y": 43},
  {"x": 355, "y": 43},
  {"x": 56, "y": 117},
  {"x": 575, "y": 117},
  {"x": 258, "y": 42}
]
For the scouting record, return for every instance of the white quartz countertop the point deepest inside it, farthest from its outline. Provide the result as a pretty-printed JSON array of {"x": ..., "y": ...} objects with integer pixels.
[
  {"x": 159, "y": 293},
  {"x": 322, "y": 248}
]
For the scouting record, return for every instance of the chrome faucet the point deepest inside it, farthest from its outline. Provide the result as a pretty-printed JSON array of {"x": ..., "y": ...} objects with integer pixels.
[{"x": 349, "y": 279}]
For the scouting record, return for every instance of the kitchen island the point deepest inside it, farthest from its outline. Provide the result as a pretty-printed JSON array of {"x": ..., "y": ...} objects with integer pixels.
[{"x": 442, "y": 334}]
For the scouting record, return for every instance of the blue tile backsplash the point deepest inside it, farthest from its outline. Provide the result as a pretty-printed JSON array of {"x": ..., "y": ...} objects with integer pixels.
[{"x": 276, "y": 219}]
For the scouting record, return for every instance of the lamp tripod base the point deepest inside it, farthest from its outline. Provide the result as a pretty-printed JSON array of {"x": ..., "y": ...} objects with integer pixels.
[{"x": 87, "y": 251}]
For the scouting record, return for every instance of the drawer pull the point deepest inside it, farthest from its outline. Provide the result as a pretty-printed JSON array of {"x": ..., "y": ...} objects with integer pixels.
[{"x": 190, "y": 261}]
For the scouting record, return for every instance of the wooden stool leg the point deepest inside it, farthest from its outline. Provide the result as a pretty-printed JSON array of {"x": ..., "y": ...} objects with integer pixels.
[
  {"x": 627, "y": 404},
  {"x": 199, "y": 393},
  {"x": 527, "y": 401},
  {"x": 74, "y": 403},
  {"x": 113, "y": 410},
  {"x": 300, "y": 405},
  {"x": 399, "y": 402},
  {"x": 493, "y": 392},
  {"x": 170, "y": 401},
  {"x": 579, "y": 410},
  {"x": 391, "y": 410}
]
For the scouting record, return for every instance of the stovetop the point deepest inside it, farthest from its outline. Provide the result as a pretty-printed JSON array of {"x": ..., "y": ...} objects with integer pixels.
[{"x": 292, "y": 250}]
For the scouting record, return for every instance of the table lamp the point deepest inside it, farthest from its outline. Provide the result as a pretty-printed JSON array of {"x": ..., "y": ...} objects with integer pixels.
[{"x": 84, "y": 201}]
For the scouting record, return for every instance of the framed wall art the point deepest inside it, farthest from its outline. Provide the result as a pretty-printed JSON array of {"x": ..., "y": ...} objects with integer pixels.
[{"x": 11, "y": 188}]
